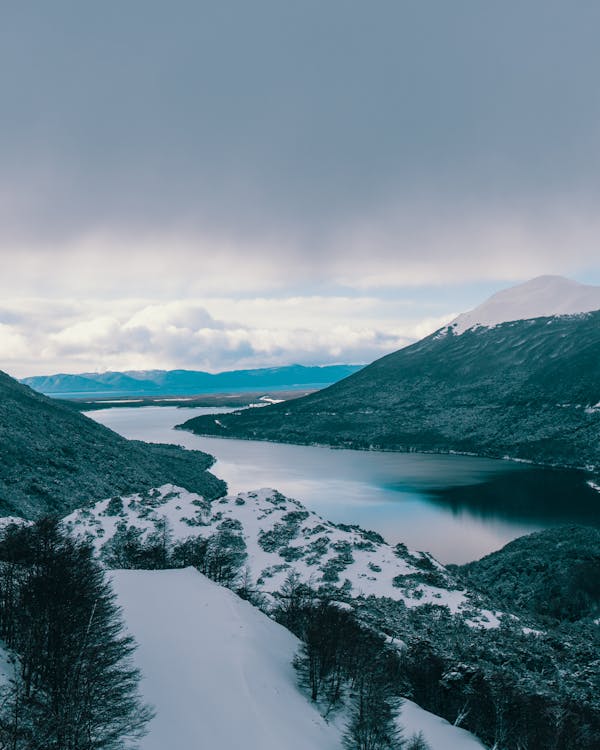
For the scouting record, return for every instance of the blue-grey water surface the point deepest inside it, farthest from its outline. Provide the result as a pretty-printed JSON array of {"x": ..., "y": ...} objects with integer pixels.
[{"x": 457, "y": 507}]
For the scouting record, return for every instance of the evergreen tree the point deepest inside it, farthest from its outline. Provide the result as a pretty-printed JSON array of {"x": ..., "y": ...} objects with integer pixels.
[
  {"x": 372, "y": 724},
  {"x": 417, "y": 742},
  {"x": 75, "y": 687}
]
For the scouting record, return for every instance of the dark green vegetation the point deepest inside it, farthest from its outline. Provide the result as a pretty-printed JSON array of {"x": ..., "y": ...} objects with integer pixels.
[
  {"x": 524, "y": 389},
  {"x": 342, "y": 662},
  {"x": 513, "y": 687},
  {"x": 74, "y": 686},
  {"x": 553, "y": 574},
  {"x": 53, "y": 459},
  {"x": 181, "y": 382}
]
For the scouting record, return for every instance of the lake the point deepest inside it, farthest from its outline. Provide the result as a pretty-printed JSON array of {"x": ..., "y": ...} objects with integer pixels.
[{"x": 459, "y": 508}]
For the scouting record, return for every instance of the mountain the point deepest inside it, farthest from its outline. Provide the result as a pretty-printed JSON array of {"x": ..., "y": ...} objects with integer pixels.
[
  {"x": 494, "y": 674},
  {"x": 527, "y": 389},
  {"x": 553, "y": 573},
  {"x": 53, "y": 459},
  {"x": 542, "y": 297},
  {"x": 182, "y": 382},
  {"x": 219, "y": 671}
]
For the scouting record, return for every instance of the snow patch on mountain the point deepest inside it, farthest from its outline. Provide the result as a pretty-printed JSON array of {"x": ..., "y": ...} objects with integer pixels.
[
  {"x": 544, "y": 296},
  {"x": 281, "y": 536}
]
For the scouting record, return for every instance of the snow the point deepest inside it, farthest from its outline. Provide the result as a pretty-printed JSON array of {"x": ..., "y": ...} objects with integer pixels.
[
  {"x": 7, "y": 666},
  {"x": 219, "y": 672},
  {"x": 439, "y": 734},
  {"x": 314, "y": 543},
  {"x": 543, "y": 296}
]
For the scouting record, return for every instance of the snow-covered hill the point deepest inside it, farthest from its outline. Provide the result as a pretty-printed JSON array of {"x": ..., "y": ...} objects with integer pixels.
[
  {"x": 219, "y": 672},
  {"x": 280, "y": 535},
  {"x": 543, "y": 296}
]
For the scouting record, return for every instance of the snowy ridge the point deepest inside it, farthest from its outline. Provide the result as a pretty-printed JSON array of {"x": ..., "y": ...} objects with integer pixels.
[
  {"x": 544, "y": 296},
  {"x": 219, "y": 672},
  {"x": 281, "y": 536}
]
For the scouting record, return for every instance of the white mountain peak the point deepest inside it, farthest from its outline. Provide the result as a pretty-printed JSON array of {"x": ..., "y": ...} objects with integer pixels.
[{"x": 543, "y": 296}]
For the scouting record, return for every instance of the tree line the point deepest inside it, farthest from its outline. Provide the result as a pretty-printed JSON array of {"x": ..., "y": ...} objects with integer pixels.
[
  {"x": 343, "y": 663},
  {"x": 73, "y": 685}
]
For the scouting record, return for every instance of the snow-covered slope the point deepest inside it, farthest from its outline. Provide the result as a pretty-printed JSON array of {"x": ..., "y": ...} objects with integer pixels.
[
  {"x": 281, "y": 535},
  {"x": 219, "y": 672},
  {"x": 543, "y": 296},
  {"x": 437, "y": 732}
]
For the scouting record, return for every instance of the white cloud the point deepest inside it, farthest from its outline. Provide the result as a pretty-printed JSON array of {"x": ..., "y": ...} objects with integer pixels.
[
  {"x": 234, "y": 334},
  {"x": 13, "y": 344}
]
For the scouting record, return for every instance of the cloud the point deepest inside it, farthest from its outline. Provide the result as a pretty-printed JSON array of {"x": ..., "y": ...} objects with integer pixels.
[
  {"x": 231, "y": 184},
  {"x": 185, "y": 335},
  {"x": 13, "y": 344},
  {"x": 221, "y": 146}
]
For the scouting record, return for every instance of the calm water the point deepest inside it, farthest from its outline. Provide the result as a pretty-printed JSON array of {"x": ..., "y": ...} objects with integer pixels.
[{"x": 457, "y": 507}]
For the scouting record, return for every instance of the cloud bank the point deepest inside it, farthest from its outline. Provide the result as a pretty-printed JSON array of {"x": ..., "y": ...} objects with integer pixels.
[
  {"x": 156, "y": 155},
  {"x": 95, "y": 337}
]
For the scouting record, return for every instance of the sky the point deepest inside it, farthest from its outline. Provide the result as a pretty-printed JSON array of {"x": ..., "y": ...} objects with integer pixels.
[{"x": 229, "y": 184}]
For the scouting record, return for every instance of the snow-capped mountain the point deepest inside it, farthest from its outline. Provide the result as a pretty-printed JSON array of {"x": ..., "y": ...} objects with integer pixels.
[
  {"x": 512, "y": 384},
  {"x": 541, "y": 297}
]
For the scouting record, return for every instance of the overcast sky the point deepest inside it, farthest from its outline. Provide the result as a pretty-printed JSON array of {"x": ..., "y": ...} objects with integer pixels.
[{"x": 233, "y": 184}]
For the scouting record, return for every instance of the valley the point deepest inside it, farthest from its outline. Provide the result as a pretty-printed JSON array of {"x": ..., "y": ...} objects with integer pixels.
[{"x": 357, "y": 601}]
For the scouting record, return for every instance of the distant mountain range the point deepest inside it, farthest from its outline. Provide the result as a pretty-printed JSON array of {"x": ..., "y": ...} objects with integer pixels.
[
  {"x": 490, "y": 383},
  {"x": 187, "y": 382},
  {"x": 53, "y": 459}
]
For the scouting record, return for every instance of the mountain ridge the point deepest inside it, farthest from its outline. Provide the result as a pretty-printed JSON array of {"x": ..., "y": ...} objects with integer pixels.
[
  {"x": 526, "y": 389},
  {"x": 185, "y": 382}
]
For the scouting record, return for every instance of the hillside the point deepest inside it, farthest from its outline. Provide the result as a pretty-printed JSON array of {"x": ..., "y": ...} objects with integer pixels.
[
  {"x": 553, "y": 573},
  {"x": 224, "y": 676},
  {"x": 460, "y": 658},
  {"x": 528, "y": 389},
  {"x": 182, "y": 382},
  {"x": 53, "y": 459},
  {"x": 271, "y": 535}
]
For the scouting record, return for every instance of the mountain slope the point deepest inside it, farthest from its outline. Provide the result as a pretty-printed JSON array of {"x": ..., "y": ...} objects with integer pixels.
[
  {"x": 529, "y": 389},
  {"x": 53, "y": 459},
  {"x": 553, "y": 573},
  {"x": 180, "y": 382},
  {"x": 223, "y": 678},
  {"x": 277, "y": 535},
  {"x": 218, "y": 671}
]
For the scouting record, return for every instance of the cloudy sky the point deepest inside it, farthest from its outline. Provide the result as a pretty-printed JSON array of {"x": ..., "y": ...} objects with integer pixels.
[{"x": 233, "y": 184}]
